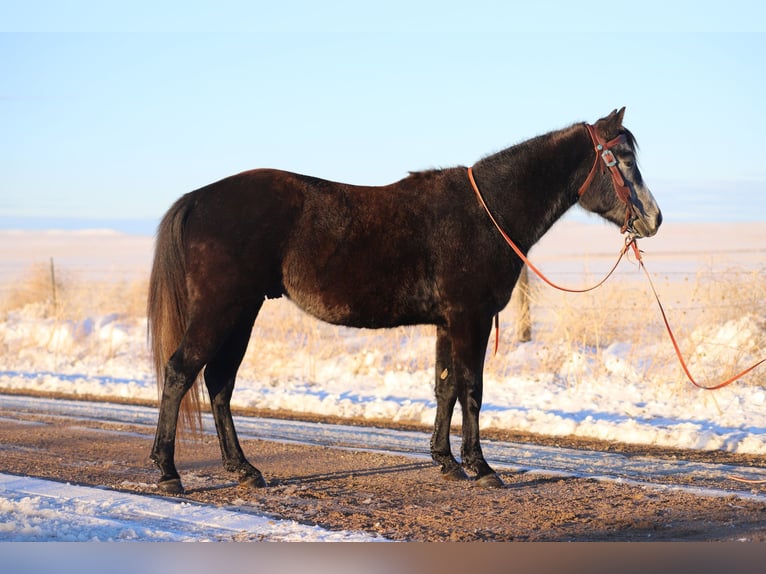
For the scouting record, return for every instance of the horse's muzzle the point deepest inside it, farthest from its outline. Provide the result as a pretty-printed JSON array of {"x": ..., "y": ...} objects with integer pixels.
[{"x": 646, "y": 225}]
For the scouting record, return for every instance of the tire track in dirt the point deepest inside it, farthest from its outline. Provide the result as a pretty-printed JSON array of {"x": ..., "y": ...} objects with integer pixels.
[
  {"x": 508, "y": 456},
  {"x": 370, "y": 488}
]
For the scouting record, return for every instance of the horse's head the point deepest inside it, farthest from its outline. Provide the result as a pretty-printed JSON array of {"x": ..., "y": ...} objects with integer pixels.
[{"x": 615, "y": 189}]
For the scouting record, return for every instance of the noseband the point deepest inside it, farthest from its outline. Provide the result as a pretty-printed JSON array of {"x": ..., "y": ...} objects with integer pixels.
[{"x": 609, "y": 162}]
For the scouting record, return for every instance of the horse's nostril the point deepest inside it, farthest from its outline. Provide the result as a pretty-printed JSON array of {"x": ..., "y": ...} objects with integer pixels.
[{"x": 647, "y": 227}]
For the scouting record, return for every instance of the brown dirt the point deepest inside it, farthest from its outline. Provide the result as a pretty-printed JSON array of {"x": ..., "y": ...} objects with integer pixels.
[{"x": 395, "y": 497}]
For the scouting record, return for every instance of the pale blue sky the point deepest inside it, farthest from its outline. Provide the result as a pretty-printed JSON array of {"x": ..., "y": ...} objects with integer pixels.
[{"x": 113, "y": 113}]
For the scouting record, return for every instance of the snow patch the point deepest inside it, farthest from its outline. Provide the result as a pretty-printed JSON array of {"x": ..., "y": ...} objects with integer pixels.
[{"x": 34, "y": 510}]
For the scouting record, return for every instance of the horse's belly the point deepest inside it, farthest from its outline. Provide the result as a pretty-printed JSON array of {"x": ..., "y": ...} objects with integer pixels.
[
  {"x": 357, "y": 278},
  {"x": 365, "y": 306},
  {"x": 338, "y": 314}
]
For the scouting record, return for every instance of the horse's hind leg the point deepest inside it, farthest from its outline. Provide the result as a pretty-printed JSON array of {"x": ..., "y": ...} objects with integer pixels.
[
  {"x": 180, "y": 372},
  {"x": 206, "y": 334},
  {"x": 220, "y": 375}
]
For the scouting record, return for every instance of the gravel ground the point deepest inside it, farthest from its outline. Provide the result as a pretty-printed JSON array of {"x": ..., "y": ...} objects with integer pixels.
[{"x": 396, "y": 497}]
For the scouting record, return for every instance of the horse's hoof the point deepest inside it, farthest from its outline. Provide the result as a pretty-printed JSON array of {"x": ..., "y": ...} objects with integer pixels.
[
  {"x": 253, "y": 481},
  {"x": 171, "y": 486},
  {"x": 490, "y": 481},
  {"x": 454, "y": 474}
]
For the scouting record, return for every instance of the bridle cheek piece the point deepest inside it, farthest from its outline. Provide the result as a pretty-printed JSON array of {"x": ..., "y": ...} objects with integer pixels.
[{"x": 609, "y": 162}]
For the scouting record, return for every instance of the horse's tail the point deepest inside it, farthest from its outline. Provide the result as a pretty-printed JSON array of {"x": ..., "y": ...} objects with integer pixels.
[{"x": 167, "y": 305}]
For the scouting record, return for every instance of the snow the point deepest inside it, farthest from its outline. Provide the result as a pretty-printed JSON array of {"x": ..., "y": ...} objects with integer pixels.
[
  {"x": 106, "y": 356},
  {"x": 34, "y": 510}
]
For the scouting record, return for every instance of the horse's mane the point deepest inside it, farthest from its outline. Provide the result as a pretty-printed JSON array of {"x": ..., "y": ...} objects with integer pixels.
[
  {"x": 631, "y": 138},
  {"x": 415, "y": 175},
  {"x": 422, "y": 173}
]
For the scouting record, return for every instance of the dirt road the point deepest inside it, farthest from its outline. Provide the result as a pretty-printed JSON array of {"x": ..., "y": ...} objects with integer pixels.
[{"x": 398, "y": 497}]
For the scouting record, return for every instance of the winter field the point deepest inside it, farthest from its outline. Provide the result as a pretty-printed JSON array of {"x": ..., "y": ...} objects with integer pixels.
[{"x": 598, "y": 365}]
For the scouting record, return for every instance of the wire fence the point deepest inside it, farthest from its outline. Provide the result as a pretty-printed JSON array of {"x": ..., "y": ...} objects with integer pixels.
[
  {"x": 687, "y": 293},
  {"x": 562, "y": 329}
]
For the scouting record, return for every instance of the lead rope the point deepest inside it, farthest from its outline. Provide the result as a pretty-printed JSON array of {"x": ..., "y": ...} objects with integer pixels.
[
  {"x": 527, "y": 262},
  {"x": 686, "y": 368},
  {"x": 629, "y": 241},
  {"x": 675, "y": 343}
]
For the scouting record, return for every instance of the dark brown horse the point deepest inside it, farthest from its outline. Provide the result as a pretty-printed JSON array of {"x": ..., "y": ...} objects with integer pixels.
[{"x": 419, "y": 251}]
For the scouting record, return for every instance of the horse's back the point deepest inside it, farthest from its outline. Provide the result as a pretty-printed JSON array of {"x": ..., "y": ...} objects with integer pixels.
[{"x": 353, "y": 255}]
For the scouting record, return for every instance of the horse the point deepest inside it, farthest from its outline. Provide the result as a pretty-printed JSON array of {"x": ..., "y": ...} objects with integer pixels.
[{"x": 421, "y": 250}]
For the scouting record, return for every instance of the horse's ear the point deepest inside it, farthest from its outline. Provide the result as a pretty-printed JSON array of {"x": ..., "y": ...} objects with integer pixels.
[
  {"x": 611, "y": 125},
  {"x": 616, "y": 116}
]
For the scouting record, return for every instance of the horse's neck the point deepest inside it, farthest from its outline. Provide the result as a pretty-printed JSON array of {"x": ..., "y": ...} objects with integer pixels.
[{"x": 536, "y": 180}]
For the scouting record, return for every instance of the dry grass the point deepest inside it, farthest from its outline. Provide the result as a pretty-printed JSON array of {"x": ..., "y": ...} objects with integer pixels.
[
  {"x": 624, "y": 312},
  {"x": 65, "y": 295},
  {"x": 36, "y": 286},
  {"x": 565, "y": 327}
]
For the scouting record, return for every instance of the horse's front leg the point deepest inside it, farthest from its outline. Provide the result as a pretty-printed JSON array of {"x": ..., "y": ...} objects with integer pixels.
[
  {"x": 470, "y": 451},
  {"x": 446, "y": 395},
  {"x": 469, "y": 349}
]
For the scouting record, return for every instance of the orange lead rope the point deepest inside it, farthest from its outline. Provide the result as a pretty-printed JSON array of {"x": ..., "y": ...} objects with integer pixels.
[
  {"x": 630, "y": 242},
  {"x": 683, "y": 363},
  {"x": 523, "y": 257},
  {"x": 528, "y": 263},
  {"x": 675, "y": 343}
]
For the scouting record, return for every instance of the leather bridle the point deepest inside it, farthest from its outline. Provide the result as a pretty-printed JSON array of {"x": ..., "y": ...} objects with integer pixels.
[{"x": 608, "y": 161}]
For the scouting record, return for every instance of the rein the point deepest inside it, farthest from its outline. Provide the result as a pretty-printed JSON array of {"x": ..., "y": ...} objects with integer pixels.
[
  {"x": 603, "y": 151},
  {"x": 623, "y": 192},
  {"x": 524, "y": 258},
  {"x": 675, "y": 343},
  {"x": 630, "y": 240}
]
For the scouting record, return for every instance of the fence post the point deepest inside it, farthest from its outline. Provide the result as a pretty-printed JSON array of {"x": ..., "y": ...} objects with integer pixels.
[
  {"x": 524, "y": 323},
  {"x": 53, "y": 285}
]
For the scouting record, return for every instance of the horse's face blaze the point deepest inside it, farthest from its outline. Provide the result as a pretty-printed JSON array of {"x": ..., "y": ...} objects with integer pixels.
[{"x": 645, "y": 217}]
